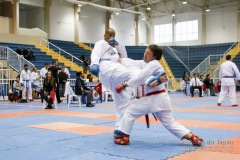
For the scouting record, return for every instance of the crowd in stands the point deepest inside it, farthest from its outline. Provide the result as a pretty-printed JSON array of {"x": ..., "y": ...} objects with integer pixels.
[{"x": 27, "y": 54}]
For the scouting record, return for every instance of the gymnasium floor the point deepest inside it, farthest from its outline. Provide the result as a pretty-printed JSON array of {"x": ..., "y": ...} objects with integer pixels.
[{"x": 29, "y": 133}]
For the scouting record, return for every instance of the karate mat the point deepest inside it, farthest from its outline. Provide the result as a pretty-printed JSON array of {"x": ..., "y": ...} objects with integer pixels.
[{"x": 28, "y": 132}]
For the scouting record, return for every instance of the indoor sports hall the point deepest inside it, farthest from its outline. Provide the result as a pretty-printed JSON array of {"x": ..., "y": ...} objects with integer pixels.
[{"x": 199, "y": 41}]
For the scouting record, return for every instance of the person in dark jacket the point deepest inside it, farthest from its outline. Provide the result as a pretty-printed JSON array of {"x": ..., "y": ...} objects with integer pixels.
[
  {"x": 19, "y": 51},
  {"x": 48, "y": 84},
  {"x": 209, "y": 84},
  {"x": 54, "y": 69},
  {"x": 62, "y": 81},
  {"x": 80, "y": 88},
  {"x": 25, "y": 53}
]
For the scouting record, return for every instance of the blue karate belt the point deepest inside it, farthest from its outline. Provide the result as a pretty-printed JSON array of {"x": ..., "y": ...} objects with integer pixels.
[
  {"x": 229, "y": 77},
  {"x": 26, "y": 84}
]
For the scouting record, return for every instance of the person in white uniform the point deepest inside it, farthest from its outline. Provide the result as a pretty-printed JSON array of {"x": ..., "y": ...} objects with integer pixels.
[
  {"x": 228, "y": 72},
  {"x": 35, "y": 77},
  {"x": 156, "y": 101},
  {"x": 44, "y": 70},
  {"x": 26, "y": 83},
  {"x": 104, "y": 63}
]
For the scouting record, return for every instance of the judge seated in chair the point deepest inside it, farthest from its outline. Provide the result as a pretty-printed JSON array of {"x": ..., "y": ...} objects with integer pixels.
[
  {"x": 195, "y": 83},
  {"x": 80, "y": 89}
]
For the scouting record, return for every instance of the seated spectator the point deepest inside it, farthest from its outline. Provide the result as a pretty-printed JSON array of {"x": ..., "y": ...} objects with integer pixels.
[
  {"x": 48, "y": 85},
  {"x": 195, "y": 83},
  {"x": 31, "y": 55},
  {"x": 62, "y": 76},
  {"x": 209, "y": 84},
  {"x": 17, "y": 87},
  {"x": 90, "y": 78},
  {"x": 25, "y": 53},
  {"x": 82, "y": 57},
  {"x": 80, "y": 88},
  {"x": 19, "y": 51},
  {"x": 170, "y": 82}
]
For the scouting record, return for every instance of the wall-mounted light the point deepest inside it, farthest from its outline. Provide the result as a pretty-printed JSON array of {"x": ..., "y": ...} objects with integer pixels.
[
  {"x": 173, "y": 14},
  {"x": 79, "y": 5},
  {"x": 184, "y": 2},
  {"x": 117, "y": 13},
  {"x": 143, "y": 19},
  {"x": 207, "y": 9},
  {"x": 148, "y": 7}
]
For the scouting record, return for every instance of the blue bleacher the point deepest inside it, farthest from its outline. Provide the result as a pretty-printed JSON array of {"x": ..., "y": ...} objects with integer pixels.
[{"x": 41, "y": 57}]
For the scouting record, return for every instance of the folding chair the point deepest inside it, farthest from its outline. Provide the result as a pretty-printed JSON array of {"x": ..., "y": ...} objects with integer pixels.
[{"x": 71, "y": 95}]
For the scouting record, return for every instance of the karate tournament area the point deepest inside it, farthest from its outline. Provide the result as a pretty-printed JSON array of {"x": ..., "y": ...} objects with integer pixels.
[
  {"x": 195, "y": 36},
  {"x": 29, "y": 132}
]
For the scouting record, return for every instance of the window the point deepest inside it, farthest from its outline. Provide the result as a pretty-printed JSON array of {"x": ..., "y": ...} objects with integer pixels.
[
  {"x": 163, "y": 33},
  {"x": 187, "y": 30}
]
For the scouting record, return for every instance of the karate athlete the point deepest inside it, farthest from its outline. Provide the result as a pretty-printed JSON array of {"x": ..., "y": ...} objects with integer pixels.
[
  {"x": 228, "y": 72},
  {"x": 26, "y": 82},
  {"x": 104, "y": 63},
  {"x": 156, "y": 101}
]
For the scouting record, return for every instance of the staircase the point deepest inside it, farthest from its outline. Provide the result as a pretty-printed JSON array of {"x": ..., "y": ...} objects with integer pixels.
[
  {"x": 233, "y": 52},
  {"x": 55, "y": 55},
  {"x": 84, "y": 46},
  {"x": 168, "y": 71}
]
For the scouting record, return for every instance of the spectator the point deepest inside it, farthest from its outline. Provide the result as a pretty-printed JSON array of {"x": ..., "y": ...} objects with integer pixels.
[
  {"x": 62, "y": 81},
  {"x": 170, "y": 82},
  {"x": 85, "y": 65},
  {"x": 82, "y": 57},
  {"x": 17, "y": 87},
  {"x": 54, "y": 69},
  {"x": 66, "y": 71},
  {"x": 209, "y": 84},
  {"x": 80, "y": 88},
  {"x": 35, "y": 77},
  {"x": 90, "y": 78},
  {"x": 44, "y": 70},
  {"x": 48, "y": 84},
  {"x": 25, "y": 53},
  {"x": 195, "y": 83},
  {"x": 185, "y": 75},
  {"x": 19, "y": 51},
  {"x": 31, "y": 55}
]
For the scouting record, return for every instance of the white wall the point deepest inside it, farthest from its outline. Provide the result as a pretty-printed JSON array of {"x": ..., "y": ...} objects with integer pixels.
[
  {"x": 124, "y": 26},
  {"x": 221, "y": 26},
  {"x": 92, "y": 24},
  {"x": 61, "y": 21},
  {"x": 142, "y": 33}
]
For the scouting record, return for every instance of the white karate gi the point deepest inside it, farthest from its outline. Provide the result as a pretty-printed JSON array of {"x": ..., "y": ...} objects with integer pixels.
[
  {"x": 113, "y": 73},
  {"x": 26, "y": 80},
  {"x": 67, "y": 72},
  {"x": 34, "y": 76},
  {"x": 43, "y": 72},
  {"x": 228, "y": 71},
  {"x": 159, "y": 104}
]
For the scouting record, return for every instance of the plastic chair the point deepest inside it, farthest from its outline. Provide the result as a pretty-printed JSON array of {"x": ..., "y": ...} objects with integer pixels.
[{"x": 71, "y": 95}]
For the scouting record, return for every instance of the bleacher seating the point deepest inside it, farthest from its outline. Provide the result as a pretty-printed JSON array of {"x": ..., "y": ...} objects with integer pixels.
[
  {"x": 236, "y": 60},
  {"x": 70, "y": 47},
  {"x": 41, "y": 57}
]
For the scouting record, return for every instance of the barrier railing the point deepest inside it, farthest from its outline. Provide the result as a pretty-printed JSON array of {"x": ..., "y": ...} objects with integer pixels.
[
  {"x": 67, "y": 55},
  {"x": 207, "y": 62}
]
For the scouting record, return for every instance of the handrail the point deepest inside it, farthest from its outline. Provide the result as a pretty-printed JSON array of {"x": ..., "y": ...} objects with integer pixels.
[
  {"x": 166, "y": 66},
  {"x": 178, "y": 57},
  {"x": 208, "y": 57},
  {"x": 60, "y": 50},
  {"x": 224, "y": 54}
]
